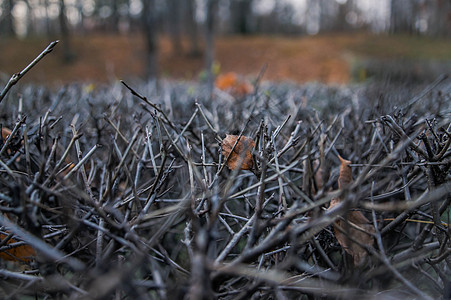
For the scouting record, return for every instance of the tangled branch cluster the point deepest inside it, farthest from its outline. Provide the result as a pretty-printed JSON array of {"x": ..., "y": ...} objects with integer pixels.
[{"x": 127, "y": 196}]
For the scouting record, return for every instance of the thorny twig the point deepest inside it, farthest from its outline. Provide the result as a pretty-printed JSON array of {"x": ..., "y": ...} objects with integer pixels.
[
  {"x": 162, "y": 209},
  {"x": 16, "y": 77}
]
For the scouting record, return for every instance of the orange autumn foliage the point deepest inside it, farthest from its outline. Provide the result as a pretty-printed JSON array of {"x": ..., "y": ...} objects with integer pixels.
[
  {"x": 233, "y": 84},
  {"x": 226, "y": 81},
  {"x": 241, "y": 157},
  {"x": 19, "y": 253},
  {"x": 354, "y": 225},
  {"x": 318, "y": 177},
  {"x": 5, "y": 133},
  {"x": 22, "y": 253},
  {"x": 345, "y": 176}
]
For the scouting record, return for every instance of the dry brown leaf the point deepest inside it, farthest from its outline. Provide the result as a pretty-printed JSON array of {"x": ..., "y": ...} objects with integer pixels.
[
  {"x": 242, "y": 88},
  {"x": 23, "y": 252},
  {"x": 20, "y": 253},
  {"x": 233, "y": 84},
  {"x": 241, "y": 157},
  {"x": 319, "y": 174},
  {"x": 5, "y": 133},
  {"x": 345, "y": 177},
  {"x": 226, "y": 81},
  {"x": 357, "y": 227}
]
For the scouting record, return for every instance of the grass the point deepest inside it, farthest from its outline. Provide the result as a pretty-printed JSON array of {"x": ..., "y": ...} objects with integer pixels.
[{"x": 404, "y": 47}]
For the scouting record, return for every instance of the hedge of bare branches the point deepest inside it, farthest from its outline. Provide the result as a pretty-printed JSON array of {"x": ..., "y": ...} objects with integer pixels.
[{"x": 123, "y": 192}]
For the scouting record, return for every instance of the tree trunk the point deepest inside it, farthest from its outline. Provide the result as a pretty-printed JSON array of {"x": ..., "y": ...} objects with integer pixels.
[
  {"x": 341, "y": 22},
  {"x": 439, "y": 18},
  {"x": 328, "y": 15},
  {"x": 149, "y": 21},
  {"x": 7, "y": 24},
  {"x": 29, "y": 19},
  {"x": 174, "y": 12},
  {"x": 313, "y": 16},
  {"x": 48, "y": 27},
  {"x": 81, "y": 24},
  {"x": 68, "y": 56},
  {"x": 192, "y": 29},
  {"x": 209, "y": 39},
  {"x": 115, "y": 16},
  {"x": 402, "y": 16},
  {"x": 241, "y": 15}
]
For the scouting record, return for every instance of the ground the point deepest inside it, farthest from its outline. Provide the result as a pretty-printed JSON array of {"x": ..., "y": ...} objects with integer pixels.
[{"x": 324, "y": 58}]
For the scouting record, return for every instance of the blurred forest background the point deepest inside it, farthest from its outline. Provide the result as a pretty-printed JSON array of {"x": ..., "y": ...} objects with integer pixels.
[{"x": 331, "y": 41}]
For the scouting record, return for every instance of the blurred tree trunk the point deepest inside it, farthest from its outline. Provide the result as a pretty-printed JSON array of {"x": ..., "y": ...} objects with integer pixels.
[
  {"x": 344, "y": 9},
  {"x": 68, "y": 56},
  {"x": 29, "y": 19},
  {"x": 49, "y": 29},
  {"x": 126, "y": 18},
  {"x": 328, "y": 15},
  {"x": 211, "y": 7},
  {"x": 115, "y": 16},
  {"x": 402, "y": 16},
  {"x": 149, "y": 23},
  {"x": 192, "y": 29},
  {"x": 174, "y": 12},
  {"x": 241, "y": 16},
  {"x": 81, "y": 24},
  {"x": 7, "y": 24},
  {"x": 312, "y": 17},
  {"x": 439, "y": 18},
  {"x": 341, "y": 24}
]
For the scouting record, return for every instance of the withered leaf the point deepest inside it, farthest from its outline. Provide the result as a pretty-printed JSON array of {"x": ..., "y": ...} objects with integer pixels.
[
  {"x": 358, "y": 228},
  {"x": 5, "y": 133},
  {"x": 226, "y": 81},
  {"x": 233, "y": 84},
  {"x": 318, "y": 174},
  {"x": 345, "y": 177},
  {"x": 354, "y": 225},
  {"x": 22, "y": 252},
  {"x": 241, "y": 157}
]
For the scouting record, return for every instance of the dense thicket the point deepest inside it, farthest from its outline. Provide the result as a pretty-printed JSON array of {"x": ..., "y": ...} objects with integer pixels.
[{"x": 124, "y": 192}]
